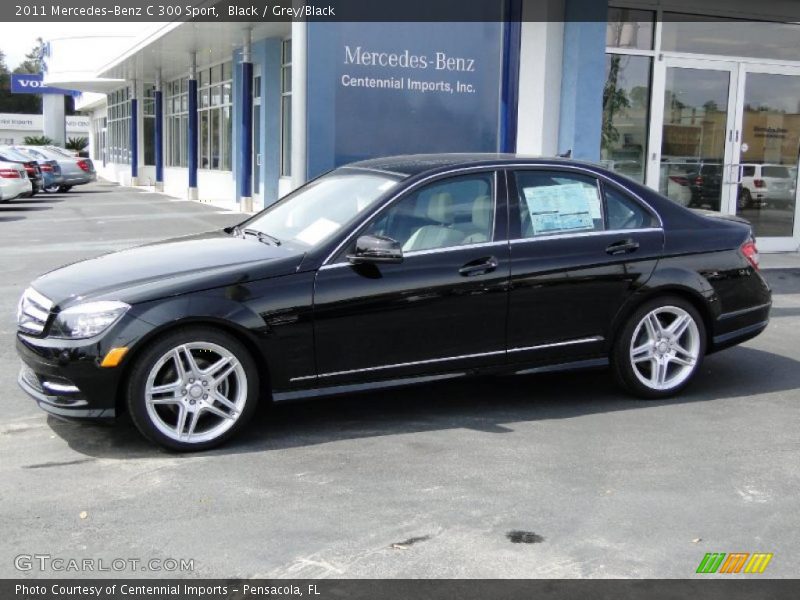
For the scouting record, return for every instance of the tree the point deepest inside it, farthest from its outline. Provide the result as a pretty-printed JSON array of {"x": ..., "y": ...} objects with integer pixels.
[
  {"x": 33, "y": 59},
  {"x": 615, "y": 100},
  {"x": 20, "y": 103},
  {"x": 26, "y": 103}
]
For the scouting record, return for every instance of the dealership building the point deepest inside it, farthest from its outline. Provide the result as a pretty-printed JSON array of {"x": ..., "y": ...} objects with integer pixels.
[{"x": 704, "y": 107}]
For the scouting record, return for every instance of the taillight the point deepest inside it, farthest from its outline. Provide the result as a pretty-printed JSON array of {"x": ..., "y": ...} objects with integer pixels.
[
  {"x": 31, "y": 170},
  {"x": 759, "y": 183},
  {"x": 750, "y": 252},
  {"x": 84, "y": 165},
  {"x": 679, "y": 180},
  {"x": 46, "y": 168},
  {"x": 9, "y": 174}
]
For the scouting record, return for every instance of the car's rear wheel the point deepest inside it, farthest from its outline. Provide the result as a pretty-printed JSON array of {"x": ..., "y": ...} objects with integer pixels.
[
  {"x": 64, "y": 188},
  {"x": 745, "y": 199},
  {"x": 52, "y": 189},
  {"x": 660, "y": 348},
  {"x": 193, "y": 389}
]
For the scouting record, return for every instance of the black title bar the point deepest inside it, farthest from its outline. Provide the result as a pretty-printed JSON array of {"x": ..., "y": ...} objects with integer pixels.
[{"x": 358, "y": 10}]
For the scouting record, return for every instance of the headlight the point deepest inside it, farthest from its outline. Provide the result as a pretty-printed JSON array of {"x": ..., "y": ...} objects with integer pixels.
[{"x": 87, "y": 320}]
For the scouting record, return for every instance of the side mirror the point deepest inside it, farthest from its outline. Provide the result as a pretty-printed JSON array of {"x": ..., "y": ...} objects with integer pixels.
[{"x": 376, "y": 249}]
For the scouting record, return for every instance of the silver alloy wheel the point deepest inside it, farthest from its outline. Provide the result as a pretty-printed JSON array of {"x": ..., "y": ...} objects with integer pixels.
[
  {"x": 196, "y": 392},
  {"x": 52, "y": 189},
  {"x": 665, "y": 347}
]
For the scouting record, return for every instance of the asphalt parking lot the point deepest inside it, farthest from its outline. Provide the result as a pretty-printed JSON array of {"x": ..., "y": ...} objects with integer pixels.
[{"x": 540, "y": 476}]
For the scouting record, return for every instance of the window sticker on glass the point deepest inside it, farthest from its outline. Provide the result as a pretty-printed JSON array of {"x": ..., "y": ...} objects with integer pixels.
[
  {"x": 561, "y": 207},
  {"x": 317, "y": 231}
]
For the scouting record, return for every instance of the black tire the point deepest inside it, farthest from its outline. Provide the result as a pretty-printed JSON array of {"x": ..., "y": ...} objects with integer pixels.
[
  {"x": 64, "y": 188},
  {"x": 622, "y": 364},
  {"x": 137, "y": 381},
  {"x": 745, "y": 199}
]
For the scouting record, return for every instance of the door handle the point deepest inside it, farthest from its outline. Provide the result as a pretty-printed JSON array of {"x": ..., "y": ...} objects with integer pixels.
[
  {"x": 622, "y": 247},
  {"x": 480, "y": 266}
]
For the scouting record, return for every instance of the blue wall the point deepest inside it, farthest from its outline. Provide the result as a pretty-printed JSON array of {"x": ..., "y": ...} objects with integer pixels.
[
  {"x": 583, "y": 79},
  {"x": 348, "y": 123}
]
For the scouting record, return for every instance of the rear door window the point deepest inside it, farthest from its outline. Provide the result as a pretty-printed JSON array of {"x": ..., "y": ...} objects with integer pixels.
[{"x": 558, "y": 203}]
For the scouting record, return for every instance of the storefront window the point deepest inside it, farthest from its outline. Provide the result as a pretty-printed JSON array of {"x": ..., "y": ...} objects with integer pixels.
[
  {"x": 630, "y": 28},
  {"x": 119, "y": 126},
  {"x": 730, "y": 37},
  {"x": 626, "y": 110},
  {"x": 175, "y": 124},
  {"x": 769, "y": 153},
  {"x": 286, "y": 108},
  {"x": 214, "y": 116}
]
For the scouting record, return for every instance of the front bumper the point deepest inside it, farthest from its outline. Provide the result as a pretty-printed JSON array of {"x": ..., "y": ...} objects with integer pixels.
[
  {"x": 66, "y": 379},
  {"x": 59, "y": 398}
]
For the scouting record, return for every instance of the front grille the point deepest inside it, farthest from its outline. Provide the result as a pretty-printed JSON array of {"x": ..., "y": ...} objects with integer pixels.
[{"x": 33, "y": 311}]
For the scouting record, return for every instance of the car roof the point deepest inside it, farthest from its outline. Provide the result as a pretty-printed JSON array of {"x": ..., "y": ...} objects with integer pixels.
[{"x": 413, "y": 164}]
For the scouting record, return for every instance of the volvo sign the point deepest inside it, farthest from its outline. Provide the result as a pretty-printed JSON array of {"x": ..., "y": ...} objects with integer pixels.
[{"x": 24, "y": 83}]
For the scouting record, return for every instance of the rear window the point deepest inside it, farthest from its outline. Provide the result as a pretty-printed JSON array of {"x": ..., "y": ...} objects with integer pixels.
[{"x": 778, "y": 172}]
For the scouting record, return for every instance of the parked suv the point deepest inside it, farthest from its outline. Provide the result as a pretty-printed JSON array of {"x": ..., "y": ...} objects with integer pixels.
[{"x": 764, "y": 185}]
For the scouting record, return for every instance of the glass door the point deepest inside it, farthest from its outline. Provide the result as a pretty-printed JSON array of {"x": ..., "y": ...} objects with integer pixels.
[
  {"x": 692, "y": 137},
  {"x": 725, "y": 136},
  {"x": 767, "y": 149}
]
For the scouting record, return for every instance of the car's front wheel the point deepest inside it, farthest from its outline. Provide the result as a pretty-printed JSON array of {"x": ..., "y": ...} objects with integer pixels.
[
  {"x": 193, "y": 389},
  {"x": 660, "y": 348}
]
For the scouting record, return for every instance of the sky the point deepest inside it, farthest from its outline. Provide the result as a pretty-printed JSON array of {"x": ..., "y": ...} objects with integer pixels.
[{"x": 17, "y": 39}]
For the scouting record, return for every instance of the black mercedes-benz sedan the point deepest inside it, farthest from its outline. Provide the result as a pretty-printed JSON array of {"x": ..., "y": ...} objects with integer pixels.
[{"x": 388, "y": 272}]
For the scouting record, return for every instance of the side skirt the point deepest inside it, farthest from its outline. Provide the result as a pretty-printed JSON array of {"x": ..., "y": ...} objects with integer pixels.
[{"x": 336, "y": 390}]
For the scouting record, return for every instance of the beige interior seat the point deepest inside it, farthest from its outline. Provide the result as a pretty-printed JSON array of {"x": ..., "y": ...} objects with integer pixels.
[
  {"x": 479, "y": 230},
  {"x": 440, "y": 209}
]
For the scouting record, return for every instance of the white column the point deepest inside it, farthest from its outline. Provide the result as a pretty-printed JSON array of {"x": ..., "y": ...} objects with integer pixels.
[
  {"x": 55, "y": 122},
  {"x": 540, "y": 77},
  {"x": 299, "y": 58}
]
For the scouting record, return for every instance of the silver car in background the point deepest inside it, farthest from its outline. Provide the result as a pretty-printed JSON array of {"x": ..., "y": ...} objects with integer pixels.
[
  {"x": 14, "y": 181},
  {"x": 74, "y": 170}
]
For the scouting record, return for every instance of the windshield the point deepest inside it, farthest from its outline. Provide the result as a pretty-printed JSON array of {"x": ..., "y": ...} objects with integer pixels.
[{"x": 315, "y": 212}]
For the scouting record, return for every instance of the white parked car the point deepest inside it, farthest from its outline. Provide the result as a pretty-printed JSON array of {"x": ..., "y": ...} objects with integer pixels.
[
  {"x": 14, "y": 181},
  {"x": 763, "y": 185}
]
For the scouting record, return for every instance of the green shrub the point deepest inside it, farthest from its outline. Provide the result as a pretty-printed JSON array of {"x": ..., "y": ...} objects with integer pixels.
[
  {"x": 37, "y": 140},
  {"x": 78, "y": 144}
]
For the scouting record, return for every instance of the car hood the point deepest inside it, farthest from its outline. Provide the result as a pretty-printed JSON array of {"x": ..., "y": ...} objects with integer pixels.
[{"x": 168, "y": 268}]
